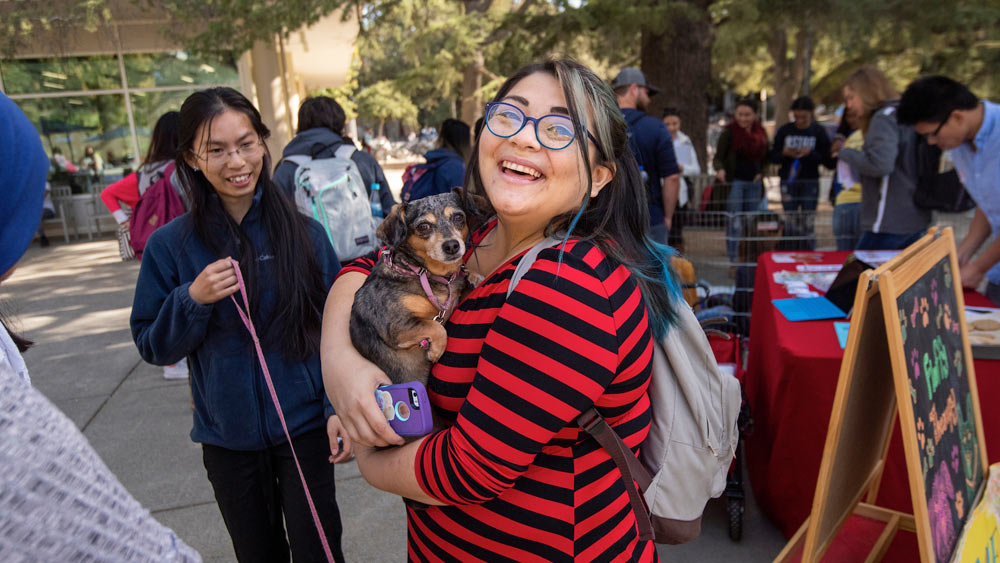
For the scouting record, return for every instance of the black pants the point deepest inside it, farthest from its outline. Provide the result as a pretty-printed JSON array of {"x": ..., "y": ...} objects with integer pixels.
[{"x": 256, "y": 489}]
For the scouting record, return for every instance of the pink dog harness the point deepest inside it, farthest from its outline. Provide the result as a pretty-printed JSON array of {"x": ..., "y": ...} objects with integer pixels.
[{"x": 404, "y": 268}]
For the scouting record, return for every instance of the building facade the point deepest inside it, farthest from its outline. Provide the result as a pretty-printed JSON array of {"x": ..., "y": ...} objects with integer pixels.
[{"x": 106, "y": 88}]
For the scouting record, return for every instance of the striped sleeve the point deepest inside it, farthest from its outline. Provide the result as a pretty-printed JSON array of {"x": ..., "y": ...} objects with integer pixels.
[
  {"x": 552, "y": 351},
  {"x": 363, "y": 264}
]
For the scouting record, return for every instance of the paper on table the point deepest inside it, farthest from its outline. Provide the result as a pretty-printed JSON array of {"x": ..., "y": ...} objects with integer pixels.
[
  {"x": 819, "y": 267},
  {"x": 794, "y": 257},
  {"x": 808, "y": 309},
  {"x": 842, "y": 328},
  {"x": 876, "y": 257}
]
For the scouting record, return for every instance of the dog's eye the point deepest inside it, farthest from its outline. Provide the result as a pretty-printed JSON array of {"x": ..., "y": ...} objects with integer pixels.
[
  {"x": 458, "y": 219},
  {"x": 424, "y": 228}
]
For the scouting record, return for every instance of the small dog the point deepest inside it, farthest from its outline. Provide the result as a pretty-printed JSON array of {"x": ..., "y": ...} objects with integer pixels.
[{"x": 398, "y": 316}]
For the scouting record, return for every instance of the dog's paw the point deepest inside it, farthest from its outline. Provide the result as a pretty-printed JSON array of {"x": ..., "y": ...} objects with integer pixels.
[
  {"x": 474, "y": 279},
  {"x": 436, "y": 349}
]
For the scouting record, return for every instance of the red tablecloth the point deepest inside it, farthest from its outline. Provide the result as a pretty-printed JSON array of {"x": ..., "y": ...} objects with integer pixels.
[{"x": 790, "y": 384}]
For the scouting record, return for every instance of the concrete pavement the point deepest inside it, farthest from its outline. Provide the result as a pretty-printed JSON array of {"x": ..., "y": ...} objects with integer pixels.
[{"x": 74, "y": 301}]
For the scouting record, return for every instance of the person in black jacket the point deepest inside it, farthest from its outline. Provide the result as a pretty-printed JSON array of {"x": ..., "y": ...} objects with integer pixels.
[
  {"x": 320, "y": 133},
  {"x": 800, "y": 147}
]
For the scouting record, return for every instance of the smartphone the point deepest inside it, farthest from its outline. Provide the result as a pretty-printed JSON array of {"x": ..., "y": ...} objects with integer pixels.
[{"x": 406, "y": 407}]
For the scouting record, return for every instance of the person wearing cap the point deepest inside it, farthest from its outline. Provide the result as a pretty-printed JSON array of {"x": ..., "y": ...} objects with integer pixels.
[
  {"x": 650, "y": 143},
  {"x": 58, "y": 500}
]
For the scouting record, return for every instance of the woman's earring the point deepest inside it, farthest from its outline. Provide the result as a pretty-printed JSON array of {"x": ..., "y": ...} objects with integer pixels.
[{"x": 195, "y": 168}]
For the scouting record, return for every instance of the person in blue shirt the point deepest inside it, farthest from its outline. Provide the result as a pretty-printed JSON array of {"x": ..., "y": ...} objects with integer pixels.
[
  {"x": 445, "y": 166},
  {"x": 653, "y": 149},
  {"x": 182, "y": 309},
  {"x": 953, "y": 118}
]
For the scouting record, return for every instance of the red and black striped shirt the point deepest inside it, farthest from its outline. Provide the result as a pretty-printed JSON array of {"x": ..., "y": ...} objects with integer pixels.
[{"x": 523, "y": 482}]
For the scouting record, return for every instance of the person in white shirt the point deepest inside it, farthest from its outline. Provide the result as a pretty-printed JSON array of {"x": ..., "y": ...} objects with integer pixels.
[{"x": 687, "y": 161}]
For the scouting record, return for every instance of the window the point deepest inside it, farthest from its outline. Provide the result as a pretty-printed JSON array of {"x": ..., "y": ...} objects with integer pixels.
[
  {"x": 68, "y": 74},
  {"x": 178, "y": 68},
  {"x": 80, "y": 101}
]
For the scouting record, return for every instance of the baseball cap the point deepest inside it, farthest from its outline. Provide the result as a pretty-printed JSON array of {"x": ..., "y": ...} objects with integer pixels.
[{"x": 632, "y": 75}]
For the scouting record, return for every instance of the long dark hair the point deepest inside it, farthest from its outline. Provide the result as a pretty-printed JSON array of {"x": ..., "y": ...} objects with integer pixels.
[
  {"x": 21, "y": 342},
  {"x": 163, "y": 145},
  {"x": 295, "y": 322},
  {"x": 617, "y": 220},
  {"x": 455, "y": 136}
]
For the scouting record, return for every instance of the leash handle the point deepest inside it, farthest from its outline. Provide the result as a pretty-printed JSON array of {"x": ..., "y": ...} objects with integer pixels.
[{"x": 245, "y": 316}]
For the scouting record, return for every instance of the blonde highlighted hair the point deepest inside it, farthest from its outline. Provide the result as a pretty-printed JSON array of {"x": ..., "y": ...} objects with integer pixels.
[{"x": 873, "y": 88}]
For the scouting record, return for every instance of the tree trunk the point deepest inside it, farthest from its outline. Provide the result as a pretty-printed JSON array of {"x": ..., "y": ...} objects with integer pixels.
[
  {"x": 788, "y": 72},
  {"x": 472, "y": 81},
  {"x": 472, "y": 75},
  {"x": 679, "y": 62}
]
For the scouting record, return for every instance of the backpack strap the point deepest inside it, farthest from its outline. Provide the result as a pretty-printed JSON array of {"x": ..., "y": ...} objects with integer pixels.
[
  {"x": 629, "y": 466},
  {"x": 529, "y": 258},
  {"x": 345, "y": 150},
  {"x": 298, "y": 159}
]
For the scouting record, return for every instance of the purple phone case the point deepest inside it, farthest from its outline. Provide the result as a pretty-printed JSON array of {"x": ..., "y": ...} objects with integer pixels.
[{"x": 406, "y": 408}]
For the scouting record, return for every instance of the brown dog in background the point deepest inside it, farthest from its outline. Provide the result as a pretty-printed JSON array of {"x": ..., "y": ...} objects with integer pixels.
[{"x": 397, "y": 320}]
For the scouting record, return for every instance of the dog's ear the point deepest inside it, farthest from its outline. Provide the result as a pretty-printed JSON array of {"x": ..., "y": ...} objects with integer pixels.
[
  {"x": 392, "y": 229},
  {"x": 477, "y": 208}
]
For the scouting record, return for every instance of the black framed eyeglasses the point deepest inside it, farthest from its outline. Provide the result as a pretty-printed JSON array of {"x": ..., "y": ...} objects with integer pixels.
[
  {"x": 554, "y": 131},
  {"x": 940, "y": 125}
]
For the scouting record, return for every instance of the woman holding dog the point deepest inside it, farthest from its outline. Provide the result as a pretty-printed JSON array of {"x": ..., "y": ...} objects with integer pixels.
[
  {"x": 513, "y": 477},
  {"x": 182, "y": 308}
]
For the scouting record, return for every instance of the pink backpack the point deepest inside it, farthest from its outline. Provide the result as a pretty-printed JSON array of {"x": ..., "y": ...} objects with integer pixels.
[{"x": 157, "y": 206}]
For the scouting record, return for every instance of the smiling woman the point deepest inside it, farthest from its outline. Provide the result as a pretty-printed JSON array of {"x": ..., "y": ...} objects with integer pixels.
[
  {"x": 181, "y": 309},
  {"x": 512, "y": 476}
]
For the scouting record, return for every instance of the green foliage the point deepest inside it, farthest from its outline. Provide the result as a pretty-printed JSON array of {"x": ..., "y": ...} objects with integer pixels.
[
  {"x": 383, "y": 100},
  {"x": 21, "y": 20},
  {"x": 904, "y": 39}
]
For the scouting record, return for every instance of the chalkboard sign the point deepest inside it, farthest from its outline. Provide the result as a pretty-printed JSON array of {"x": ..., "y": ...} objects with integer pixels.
[
  {"x": 907, "y": 353},
  {"x": 942, "y": 403}
]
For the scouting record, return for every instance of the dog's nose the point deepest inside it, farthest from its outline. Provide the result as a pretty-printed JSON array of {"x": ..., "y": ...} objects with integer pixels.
[{"x": 451, "y": 247}]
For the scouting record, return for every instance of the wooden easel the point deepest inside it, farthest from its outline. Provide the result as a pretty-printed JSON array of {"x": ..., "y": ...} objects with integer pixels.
[{"x": 868, "y": 399}]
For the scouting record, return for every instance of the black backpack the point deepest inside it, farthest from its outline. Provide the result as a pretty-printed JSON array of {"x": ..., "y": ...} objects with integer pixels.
[{"x": 936, "y": 190}]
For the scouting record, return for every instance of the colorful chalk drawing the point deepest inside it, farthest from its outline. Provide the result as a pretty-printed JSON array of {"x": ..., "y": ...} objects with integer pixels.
[
  {"x": 939, "y": 509},
  {"x": 946, "y": 438}
]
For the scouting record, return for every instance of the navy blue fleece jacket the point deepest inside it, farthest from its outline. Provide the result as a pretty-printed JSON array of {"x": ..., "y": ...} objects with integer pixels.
[{"x": 232, "y": 405}]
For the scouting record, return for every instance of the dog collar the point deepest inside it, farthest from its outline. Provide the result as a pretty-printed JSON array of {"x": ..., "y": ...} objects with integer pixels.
[{"x": 411, "y": 270}]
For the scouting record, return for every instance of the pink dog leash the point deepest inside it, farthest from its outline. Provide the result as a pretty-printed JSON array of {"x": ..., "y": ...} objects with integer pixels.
[{"x": 274, "y": 397}]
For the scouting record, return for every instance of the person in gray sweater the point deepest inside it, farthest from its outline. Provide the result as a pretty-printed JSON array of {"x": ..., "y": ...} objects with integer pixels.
[{"x": 887, "y": 164}]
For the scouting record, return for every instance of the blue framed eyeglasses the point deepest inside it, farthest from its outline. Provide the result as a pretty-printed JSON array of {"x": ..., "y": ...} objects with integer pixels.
[{"x": 553, "y": 131}]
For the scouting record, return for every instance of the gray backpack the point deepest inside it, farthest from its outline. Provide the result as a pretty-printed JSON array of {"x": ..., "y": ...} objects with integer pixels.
[
  {"x": 331, "y": 191},
  {"x": 692, "y": 439}
]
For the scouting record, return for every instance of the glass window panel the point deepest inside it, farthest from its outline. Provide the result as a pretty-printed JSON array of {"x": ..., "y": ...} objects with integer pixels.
[
  {"x": 147, "y": 107},
  {"x": 32, "y": 76},
  {"x": 72, "y": 124},
  {"x": 178, "y": 68}
]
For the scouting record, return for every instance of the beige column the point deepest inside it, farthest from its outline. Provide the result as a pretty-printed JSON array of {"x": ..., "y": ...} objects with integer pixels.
[{"x": 268, "y": 69}]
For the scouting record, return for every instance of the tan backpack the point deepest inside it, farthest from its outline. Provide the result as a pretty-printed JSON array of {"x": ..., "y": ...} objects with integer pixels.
[{"x": 692, "y": 439}]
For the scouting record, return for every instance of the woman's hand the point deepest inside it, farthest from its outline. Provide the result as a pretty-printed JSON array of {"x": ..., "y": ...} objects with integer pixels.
[
  {"x": 721, "y": 176},
  {"x": 836, "y": 145},
  {"x": 216, "y": 282},
  {"x": 350, "y": 379},
  {"x": 341, "y": 448}
]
